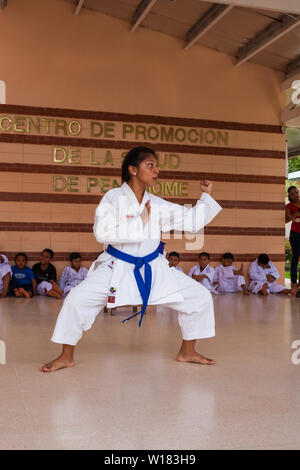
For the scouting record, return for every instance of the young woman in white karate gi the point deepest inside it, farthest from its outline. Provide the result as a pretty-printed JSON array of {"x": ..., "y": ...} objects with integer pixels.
[{"x": 129, "y": 222}]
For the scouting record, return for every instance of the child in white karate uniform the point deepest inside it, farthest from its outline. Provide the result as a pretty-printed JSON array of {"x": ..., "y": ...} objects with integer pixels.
[
  {"x": 227, "y": 278},
  {"x": 203, "y": 272},
  {"x": 72, "y": 275},
  {"x": 5, "y": 275},
  {"x": 174, "y": 260},
  {"x": 263, "y": 275},
  {"x": 131, "y": 271}
]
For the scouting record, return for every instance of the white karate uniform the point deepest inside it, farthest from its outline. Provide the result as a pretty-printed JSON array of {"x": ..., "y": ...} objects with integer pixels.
[
  {"x": 258, "y": 276},
  {"x": 111, "y": 281},
  {"x": 179, "y": 269},
  {"x": 44, "y": 287},
  {"x": 4, "y": 269},
  {"x": 71, "y": 278},
  {"x": 209, "y": 272},
  {"x": 226, "y": 280}
]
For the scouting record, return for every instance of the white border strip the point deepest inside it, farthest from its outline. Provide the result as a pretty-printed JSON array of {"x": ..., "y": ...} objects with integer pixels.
[
  {"x": 2, "y": 352},
  {"x": 2, "y": 92}
]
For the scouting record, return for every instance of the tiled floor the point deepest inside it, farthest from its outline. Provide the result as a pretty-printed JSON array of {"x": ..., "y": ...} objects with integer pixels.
[{"x": 128, "y": 392}]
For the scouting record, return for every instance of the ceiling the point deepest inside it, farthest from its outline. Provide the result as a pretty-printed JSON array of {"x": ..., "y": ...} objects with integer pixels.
[{"x": 262, "y": 36}]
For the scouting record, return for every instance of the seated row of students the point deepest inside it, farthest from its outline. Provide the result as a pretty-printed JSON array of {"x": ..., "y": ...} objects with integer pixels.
[
  {"x": 22, "y": 281},
  {"x": 226, "y": 278}
]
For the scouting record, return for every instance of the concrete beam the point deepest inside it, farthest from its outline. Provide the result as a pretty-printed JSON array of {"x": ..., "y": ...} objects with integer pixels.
[
  {"x": 79, "y": 6},
  {"x": 267, "y": 36},
  {"x": 290, "y": 6},
  {"x": 141, "y": 12},
  {"x": 293, "y": 67},
  {"x": 292, "y": 154},
  {"x": 289, "y": 114},
  {"x": 205, "y": 23}
]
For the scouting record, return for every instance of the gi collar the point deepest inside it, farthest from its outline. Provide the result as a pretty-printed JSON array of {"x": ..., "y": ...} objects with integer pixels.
[{"x": 132, "y": 197}]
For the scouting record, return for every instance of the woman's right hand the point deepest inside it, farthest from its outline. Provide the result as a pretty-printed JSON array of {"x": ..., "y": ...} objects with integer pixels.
[{"x": 206, "y": 186}]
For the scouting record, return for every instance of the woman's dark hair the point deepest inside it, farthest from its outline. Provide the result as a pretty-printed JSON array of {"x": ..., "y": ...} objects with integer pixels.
[
  {"x": 289, "y": 197},
  {"x": 174, "y": 253},
  {"x": 228, "y": 256},
  {"x": 74, "y": 255},
  {"x": 204, "y": 254},
  {"x": 263, "y": 259},
  {"x": 133, "y": 158},
  {"x": 50, "y": 252},
  {"x": 21, "y": 254}
]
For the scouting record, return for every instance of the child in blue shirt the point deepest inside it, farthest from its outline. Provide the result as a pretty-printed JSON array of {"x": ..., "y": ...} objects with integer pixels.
[{"x": 23, "y": 283}]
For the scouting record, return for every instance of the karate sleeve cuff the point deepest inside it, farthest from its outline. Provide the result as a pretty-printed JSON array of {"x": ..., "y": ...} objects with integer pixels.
[{"x": 212, "y": 207}]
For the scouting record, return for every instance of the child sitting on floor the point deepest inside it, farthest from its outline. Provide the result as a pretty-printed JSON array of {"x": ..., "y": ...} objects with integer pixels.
[
  {"x": 45, "y": 275},
  {"x": 263, "y": 275},
  {"x": 203, "y": 272},
  {"x": 5, "y": 276},
  {"x": 23, "y": 283},
  {"x": 72, "y": 275},
  {"x": 227, "y": 278},
  {"x": 174, "y": 260}
]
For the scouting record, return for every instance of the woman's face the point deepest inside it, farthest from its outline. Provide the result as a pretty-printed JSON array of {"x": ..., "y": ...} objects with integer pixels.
[
  {"x": 147, "y": 171},
  {"x": 294, "y": 194}
]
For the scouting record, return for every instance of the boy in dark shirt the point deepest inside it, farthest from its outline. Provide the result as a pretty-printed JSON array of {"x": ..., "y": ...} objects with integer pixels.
[
  {"x": 45, "y": 275},
  {"x": 23, "y": 283}
]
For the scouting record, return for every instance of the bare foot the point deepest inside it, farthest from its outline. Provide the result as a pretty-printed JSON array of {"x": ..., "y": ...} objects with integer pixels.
[
  {"x": 54, "y": 293},
  {"x": 24, "y": 293},
  {"x": 294, "y": 290},
  {"x": 17, "y": 293},
  {"x": 195, "y": 357},
  {"x": 263, "y": 290},
  {"x": 246, "y": 292},
  {"x": 56, "y": 288},
  {"x": 60, "y": 363}
]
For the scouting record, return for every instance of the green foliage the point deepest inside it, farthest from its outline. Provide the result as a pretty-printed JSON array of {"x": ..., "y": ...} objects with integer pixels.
[
  {"x": 294, "y": 164},
  {"x": 288, "y": 251}
]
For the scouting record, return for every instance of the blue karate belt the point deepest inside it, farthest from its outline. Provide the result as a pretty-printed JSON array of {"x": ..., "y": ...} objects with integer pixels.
[{"x": 144, "y": 287}]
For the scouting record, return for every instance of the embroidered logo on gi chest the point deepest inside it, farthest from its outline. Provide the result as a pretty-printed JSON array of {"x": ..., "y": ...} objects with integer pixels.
[{"x": 112, "y": 290}]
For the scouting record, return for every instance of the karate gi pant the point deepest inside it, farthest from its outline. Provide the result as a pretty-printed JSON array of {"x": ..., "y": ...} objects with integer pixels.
[
  {"x": 273, "y": 288},
  {"x": 42, "y": 286},
  {"x": 207, "y": 284},
  {"x": 231, "y": 285},
  {"x": 85, "y": 301}
]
